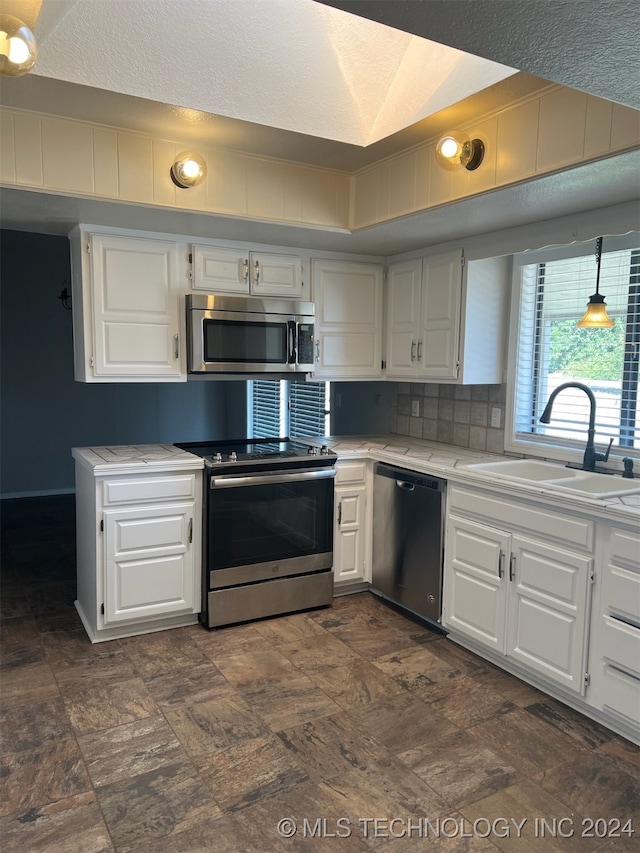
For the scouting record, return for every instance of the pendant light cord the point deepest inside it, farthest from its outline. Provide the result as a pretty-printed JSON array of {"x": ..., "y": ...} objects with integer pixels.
[{"x": 598, "y": 256}]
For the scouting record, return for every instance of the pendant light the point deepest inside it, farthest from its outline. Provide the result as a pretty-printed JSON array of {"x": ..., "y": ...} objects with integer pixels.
[{"x": 596, "y": 316}]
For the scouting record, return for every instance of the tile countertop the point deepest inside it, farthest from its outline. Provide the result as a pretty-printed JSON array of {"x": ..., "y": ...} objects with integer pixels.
[
  {"x": 138, "y": 459},
  {"x": 449, "y": 462}
]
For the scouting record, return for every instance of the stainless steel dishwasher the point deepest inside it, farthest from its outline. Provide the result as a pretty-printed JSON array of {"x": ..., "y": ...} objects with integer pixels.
[{"x": 407, "y": 539}]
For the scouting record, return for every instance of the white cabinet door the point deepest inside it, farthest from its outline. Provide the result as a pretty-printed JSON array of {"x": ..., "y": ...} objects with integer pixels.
[
  {"x": 548, "y": 608},
  {"x": 149, "y": 563},
  {"x": 135, "y": 307},
  {"x": 349, "y": 534},
  {"x": 276, "y": 275},
  {"x": 218, "y": 269},
  {"x": 439, "y": 332},
  {"x": 404, "y": 288},
  {"x": 348, "y": 299},
  {"x": 475, "y": 590}
]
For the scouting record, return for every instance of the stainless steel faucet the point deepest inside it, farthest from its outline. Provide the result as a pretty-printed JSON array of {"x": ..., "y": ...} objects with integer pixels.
[{"x": 591, "y": 455}]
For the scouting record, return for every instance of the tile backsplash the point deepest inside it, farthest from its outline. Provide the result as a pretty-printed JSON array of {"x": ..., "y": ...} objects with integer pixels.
[{"x": 454, "y": 414}]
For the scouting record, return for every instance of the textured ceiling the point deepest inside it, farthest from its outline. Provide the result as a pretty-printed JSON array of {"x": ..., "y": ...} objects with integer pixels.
[{"x": 290, "y": 64}]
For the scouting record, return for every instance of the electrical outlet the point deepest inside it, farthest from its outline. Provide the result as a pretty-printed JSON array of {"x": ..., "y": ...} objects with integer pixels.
[
  {"x": 495, "y": 417},
  {"x": 415, "y": 408}
]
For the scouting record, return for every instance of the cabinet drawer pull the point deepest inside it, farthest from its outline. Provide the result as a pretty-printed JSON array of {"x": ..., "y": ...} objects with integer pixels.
[
  {"x": 501, "y": 564},
  {"x": 413, "y": 350},
  {"x": 190, "y": 530},
  {"x": 176, "y": 343},
  {"x": 245, "y": 268},
  {"x": 512, "y": 567},
  {"x": 317, "y": 350},
  {"x": 419, "y": 350},
  {"x": 340, "y": 513},
  {"x": 257, "y": 269}
]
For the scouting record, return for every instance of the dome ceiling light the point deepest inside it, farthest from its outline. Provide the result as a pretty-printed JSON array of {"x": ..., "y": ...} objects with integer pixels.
[
  {"x": 456, "y": 149},
  {"x": 18, "y": 48},
  {"x": 188, "y": 170}
]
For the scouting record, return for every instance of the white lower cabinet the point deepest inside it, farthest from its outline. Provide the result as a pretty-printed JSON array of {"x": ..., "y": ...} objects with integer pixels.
[
  {"x": 615, "y": 631},
  {"x": 524, "y": 596},
  {"x": 351, "y": 542},
  {"x": 139, "y": 540}
]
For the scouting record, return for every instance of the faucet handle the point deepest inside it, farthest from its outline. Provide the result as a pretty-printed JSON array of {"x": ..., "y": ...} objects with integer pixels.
[{"x": 603, "y": 457}]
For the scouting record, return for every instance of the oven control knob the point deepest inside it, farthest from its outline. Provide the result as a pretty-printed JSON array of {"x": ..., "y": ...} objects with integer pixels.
[
  {"x": 312, "y": 451},
  {"x": 324, "y": 450},
  {"x": 233, "y": 456},
  {"x": 217, "y": 457}
]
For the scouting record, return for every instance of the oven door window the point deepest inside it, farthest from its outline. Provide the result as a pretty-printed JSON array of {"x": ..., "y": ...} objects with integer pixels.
[
  {"x": 274, "y": 522},
  {"x": 245, "y": 342}
]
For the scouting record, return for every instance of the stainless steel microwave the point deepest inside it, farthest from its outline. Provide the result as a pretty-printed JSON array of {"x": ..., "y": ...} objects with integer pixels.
[{"x": 238, "y": 334}]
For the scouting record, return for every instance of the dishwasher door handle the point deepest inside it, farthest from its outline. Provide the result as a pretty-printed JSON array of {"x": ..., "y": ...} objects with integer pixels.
[{"x": 402, "y": 484}]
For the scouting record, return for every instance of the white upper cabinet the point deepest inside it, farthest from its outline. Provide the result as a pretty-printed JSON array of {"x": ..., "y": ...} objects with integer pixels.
[
  {"x": 348, "y": 331},
  {"x": 126, "y": 302},
  {"x": 222, "y": 269},
  {"x": 446, "y": 320}
]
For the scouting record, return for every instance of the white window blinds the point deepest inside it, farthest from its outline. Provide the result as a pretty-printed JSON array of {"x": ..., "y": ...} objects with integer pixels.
[
  {"x": 552, "y": 350},
  {"x": 279, "y": 408}
]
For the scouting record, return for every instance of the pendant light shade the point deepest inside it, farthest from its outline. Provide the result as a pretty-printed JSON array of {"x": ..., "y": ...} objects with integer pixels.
[
  {"x": 18, "y": 49},
  {"x": 596, "y": 316}
]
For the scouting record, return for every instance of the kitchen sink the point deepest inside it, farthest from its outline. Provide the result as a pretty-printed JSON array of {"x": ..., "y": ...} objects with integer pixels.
[
  {"x": 524, "y": 469},
  {"x": 589, "y": 483}
]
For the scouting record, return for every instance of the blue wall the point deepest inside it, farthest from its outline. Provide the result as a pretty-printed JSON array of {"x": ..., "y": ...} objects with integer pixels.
[{"x": 44, "y": 412}]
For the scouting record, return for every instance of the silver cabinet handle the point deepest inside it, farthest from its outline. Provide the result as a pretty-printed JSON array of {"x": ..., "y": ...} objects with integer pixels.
[
  {"x": 190, "y": 530},
  {"x": 413, "y": 350},
  {"x": 512, "y": 567},
  {"x": 501, "y": 564},
  {"x": 245, "y": 269},
  {"x": 419, "y": 350},
  {"x": 340, "y": 513},
  {"x": 317, "y": 350},
  {"x": 176, "y": 350},
  {"x": 257, "y": 269}
]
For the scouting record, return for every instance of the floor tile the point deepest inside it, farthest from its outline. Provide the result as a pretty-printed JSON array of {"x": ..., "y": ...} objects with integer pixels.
[
  {"x": 72, "y": 825},
  {"x": 329, "y": 746},
  {"x": 400, "y": 722},
  {"x": 223, "y": 834},
  {"x": 155, "y": 805},
  {"x": 255, "y": 668},
  {"x": 245, "y": 773},
  {"x": 459, "y": 768},
  {"x": 298, "y": 626},
  {"x": 585, "y": 731},
  {"x": 229, "y": 641},
  {"x": 293, "y": 700},
  {"x": 222, "y": 722},
  {"x": 373, "y": 643},
  {"x": 623, "y": 754},
  {"x": 23, "y": 685},
  {"x": 356, "y": 684},
  {"x": 35, "y": 777},
  {"x": 30, "y": 726},
  {"x": 129, "y": 750},
  {"x": 415, "y": 667},
  {"x": 157, "y": 653},
  {"x": 526, "y": 742},
  {"x": 525, "y": 818},
  {"x": 463, "y": 701},
  {"x": 187, "y": 686},
  {"x": 317, "y": 653},
  {"x": 98, "y": 707},
  {"x": 593, "y": 787}
]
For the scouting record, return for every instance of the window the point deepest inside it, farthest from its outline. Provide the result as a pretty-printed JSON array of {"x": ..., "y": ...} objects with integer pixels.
[
  {"x": 283, "y": 408},
  {"x": 549, "y": 349}
]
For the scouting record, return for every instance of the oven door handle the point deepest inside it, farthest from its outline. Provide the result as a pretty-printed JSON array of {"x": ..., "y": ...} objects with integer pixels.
[{"x": 233, "y": 481}]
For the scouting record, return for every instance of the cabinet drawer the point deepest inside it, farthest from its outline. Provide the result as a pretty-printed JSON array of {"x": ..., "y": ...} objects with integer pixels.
[
  {"x": 148, "y": 489},
  {"x": 351, "y": 472},
  {"x": 621, "y": 645},
  {"x": 621, "y": 693},
  {"x": 565, "y": 529}
]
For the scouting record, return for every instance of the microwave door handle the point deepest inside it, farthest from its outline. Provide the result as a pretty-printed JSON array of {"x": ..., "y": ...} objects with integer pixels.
[{"x": 292, "y": 333}]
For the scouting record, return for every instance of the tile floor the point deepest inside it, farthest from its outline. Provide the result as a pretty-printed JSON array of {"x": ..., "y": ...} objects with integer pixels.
[{"x": 368, "y": 730}]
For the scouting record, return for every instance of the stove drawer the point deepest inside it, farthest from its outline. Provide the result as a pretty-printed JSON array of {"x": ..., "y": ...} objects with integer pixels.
[{"x": 269, "y": 598}]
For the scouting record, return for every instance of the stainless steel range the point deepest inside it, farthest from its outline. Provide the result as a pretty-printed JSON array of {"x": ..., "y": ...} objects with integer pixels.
[{"x": 268, "y": 528}]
